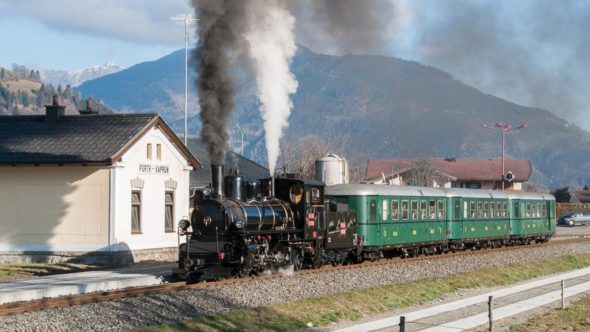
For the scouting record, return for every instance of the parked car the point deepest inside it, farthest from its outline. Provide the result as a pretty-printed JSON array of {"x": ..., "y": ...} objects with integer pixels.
[{"x": 575, "y": 218}]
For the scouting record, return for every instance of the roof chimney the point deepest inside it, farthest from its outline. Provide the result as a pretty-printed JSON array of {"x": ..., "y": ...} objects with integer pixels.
[
  {"x": 54, "y": 111},
  {"x": 89, "y": 109}
]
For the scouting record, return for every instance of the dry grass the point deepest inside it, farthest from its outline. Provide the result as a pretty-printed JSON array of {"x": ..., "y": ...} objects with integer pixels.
[
  {"x": 22, "y": 85},
  {"x": 353, "y": 305},
  {"x": 575, "y": 317}
]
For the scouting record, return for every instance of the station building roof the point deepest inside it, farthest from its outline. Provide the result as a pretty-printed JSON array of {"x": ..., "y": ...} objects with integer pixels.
[
  {"x": 461, "y": 169},
  {"x": 92, "y": 139}
]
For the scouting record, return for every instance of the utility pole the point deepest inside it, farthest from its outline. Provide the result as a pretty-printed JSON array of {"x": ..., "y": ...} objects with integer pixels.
[
  {"x": 186, "y": 20},
  {"x": 503, "y": 128}
]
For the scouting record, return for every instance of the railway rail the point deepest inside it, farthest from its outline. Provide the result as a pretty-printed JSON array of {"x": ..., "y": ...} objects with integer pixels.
[{"x": 66, "y": 301}]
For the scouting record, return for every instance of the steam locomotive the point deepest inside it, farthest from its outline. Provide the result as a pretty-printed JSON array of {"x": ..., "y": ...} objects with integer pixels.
[{"x": 245, "y": 227}]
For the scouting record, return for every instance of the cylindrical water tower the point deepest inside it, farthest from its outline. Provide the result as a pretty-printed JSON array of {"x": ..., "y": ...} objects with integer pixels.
[{"x": 331, "y": 169}]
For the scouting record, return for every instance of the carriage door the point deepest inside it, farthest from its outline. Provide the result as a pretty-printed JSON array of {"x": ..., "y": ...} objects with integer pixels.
[
  {"x": 373, "y": 216},
  {"x": 454, "y": 222}
]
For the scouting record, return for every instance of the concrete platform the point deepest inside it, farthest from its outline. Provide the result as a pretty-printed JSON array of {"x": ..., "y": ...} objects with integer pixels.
[{"x": 82, "y": 282}]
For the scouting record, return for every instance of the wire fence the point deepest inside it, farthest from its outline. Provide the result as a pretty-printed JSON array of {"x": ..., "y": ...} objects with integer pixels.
[{"x": 406, "y": 325}]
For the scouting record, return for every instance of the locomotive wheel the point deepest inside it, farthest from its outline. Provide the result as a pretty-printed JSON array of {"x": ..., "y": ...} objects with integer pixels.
[
  {"x": 317, "y": 263},
  {"x": 243, "y": 272},
  {"x": 297, "y": 262},
  {"x": 192, "y": 278}
]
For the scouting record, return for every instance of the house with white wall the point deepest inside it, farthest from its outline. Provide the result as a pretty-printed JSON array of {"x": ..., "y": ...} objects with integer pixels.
[{"x": 91, "y": 187}]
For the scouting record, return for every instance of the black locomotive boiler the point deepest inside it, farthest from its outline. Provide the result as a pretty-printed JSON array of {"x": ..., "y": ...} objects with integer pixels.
[{"x": 240, "y": 228}]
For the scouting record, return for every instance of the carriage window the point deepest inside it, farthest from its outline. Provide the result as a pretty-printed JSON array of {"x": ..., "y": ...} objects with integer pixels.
[
  {"x": 384, "y": 206},
  {"x": 505, "y": 209},
  {"x": 464, "y": 210},
  {"x": 404, "y": 209},
  {"x": 432, "y": 209},
  {"x": 472, "y": 209},
  {"x": 537, "y": 210},
  {"x": 479, "y": 210},
  {"x": 414, "y": 209},
  {"x": 492, "y": 209},
  {"x": 422, "y": 209},
  {"x": 373, "y": 211},
  {"x": 544, "y": 211},
  {"x": 394, "y": 210},
  {"x": 528, "y": 210},
  {"x": 486, "y": 209},
  {"x": 441, "y": 210}
]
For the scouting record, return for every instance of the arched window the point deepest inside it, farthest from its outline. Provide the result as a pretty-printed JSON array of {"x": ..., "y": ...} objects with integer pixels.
[{"x": 136, "y": 211}]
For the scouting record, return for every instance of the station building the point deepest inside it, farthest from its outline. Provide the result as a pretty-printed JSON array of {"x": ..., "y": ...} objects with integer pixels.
[{"x": 91, "y": 187}]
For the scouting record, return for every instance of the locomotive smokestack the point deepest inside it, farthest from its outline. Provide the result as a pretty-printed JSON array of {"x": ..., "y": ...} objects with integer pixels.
[{"x": 217, "y": 180}]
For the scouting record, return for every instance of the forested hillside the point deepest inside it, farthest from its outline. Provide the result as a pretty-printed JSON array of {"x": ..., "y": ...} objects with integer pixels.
[
  {"x": 376, "y": 106},
  {"x": 23, "y": 92}
]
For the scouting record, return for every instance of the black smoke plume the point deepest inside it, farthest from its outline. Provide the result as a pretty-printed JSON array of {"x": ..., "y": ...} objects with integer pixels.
[
  {"x": 341, "y": 26},
  {"x": 215, "y": 58}
]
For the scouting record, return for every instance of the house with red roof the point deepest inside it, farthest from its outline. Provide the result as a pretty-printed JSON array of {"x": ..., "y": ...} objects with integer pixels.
[{"x": 447, "y": 173}]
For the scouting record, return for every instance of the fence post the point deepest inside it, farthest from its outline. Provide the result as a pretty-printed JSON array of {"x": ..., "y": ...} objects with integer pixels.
[
  {"x": 562, "y": 294},
  {"x": 402, "y": 324},
  {"x": 490, "y": 315}
]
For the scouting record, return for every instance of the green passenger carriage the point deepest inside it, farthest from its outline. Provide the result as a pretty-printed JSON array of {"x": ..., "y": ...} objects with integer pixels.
[
  {"x": 533, "y": 215},
  {"x": 424, "y": 220}
]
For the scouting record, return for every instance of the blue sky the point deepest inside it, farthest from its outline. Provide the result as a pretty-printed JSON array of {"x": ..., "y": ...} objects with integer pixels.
[
  {"x": 75, "y": 34},
  {"x": 532, "y": 52}
]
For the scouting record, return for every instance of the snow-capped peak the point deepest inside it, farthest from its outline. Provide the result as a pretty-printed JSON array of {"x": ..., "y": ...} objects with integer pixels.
[{"x": 76, "y": 77}]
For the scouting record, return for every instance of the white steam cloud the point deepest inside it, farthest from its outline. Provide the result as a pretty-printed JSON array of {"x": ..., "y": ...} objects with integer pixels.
[{"x": 271, "y": 45}]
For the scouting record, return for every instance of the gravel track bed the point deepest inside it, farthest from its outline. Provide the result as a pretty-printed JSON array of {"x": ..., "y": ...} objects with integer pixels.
[{"x": 138, "y": 312}]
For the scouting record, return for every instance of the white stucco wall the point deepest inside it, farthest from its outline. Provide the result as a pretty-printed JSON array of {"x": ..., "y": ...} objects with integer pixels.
[
  {"x": 54, "y": 208},
  {"x": 153, "y": 175}
]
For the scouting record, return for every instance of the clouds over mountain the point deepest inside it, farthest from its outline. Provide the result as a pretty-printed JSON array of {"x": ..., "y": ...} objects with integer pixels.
[{"x": 134, "y": 21}]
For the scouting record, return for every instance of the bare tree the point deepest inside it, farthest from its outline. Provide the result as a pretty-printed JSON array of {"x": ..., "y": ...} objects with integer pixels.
[
  {"x": 423, "y": 174},
  {"x": 299, "y": 156}
]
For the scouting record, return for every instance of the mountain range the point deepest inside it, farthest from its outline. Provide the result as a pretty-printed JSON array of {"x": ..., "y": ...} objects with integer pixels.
[
  {"x": 76, "y": 77},
  {"x": 383, "y": 107}
]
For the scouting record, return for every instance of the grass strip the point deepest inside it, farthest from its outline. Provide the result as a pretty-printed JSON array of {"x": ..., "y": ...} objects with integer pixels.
[
  {"x": 11, "y": 271},
  {"x": 575, "y": 317},
  {"x": 353, "y": 305}
]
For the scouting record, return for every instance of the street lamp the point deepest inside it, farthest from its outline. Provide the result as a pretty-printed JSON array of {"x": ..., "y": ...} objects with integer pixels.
[
  {"x": 186, "y": 20},
  {"x": 503, "y": 128}
]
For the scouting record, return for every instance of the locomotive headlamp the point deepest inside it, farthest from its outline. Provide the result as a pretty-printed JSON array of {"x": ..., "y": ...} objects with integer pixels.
[{"x": 184, "y": 224}]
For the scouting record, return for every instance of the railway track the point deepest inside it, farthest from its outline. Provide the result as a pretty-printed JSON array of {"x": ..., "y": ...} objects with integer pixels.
[{"x": 66, "y": 301}]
